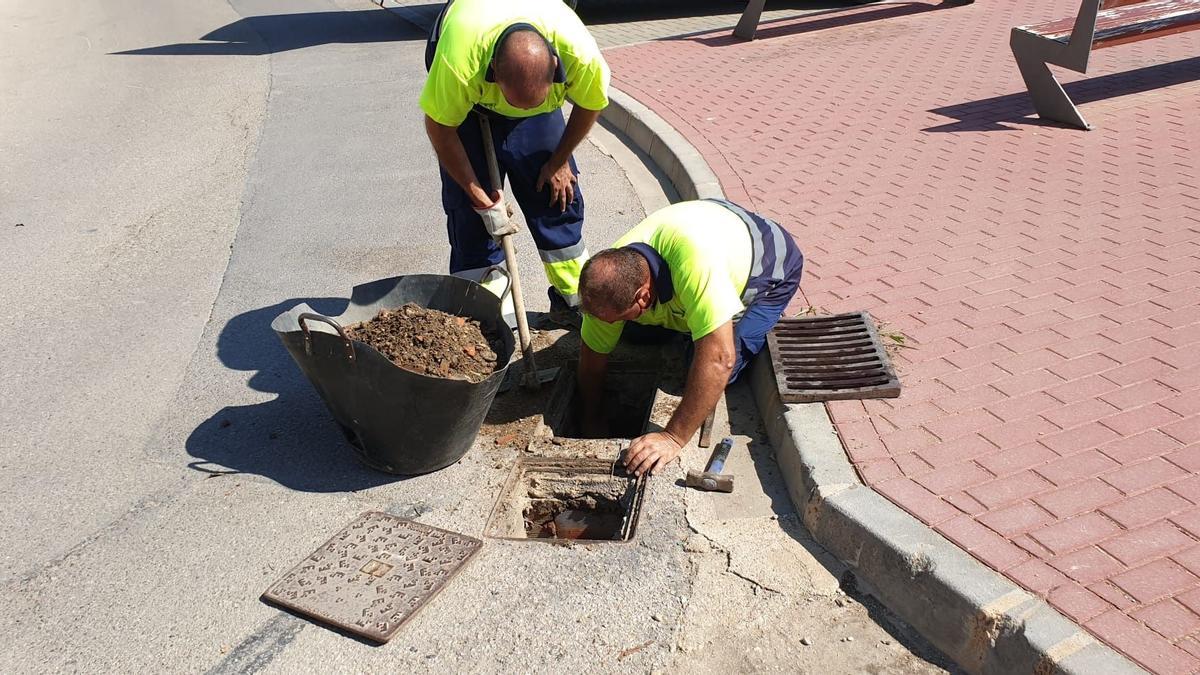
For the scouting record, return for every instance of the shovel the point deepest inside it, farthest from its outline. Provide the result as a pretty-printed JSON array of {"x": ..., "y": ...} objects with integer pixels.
[{"x": 531, "y": 378}]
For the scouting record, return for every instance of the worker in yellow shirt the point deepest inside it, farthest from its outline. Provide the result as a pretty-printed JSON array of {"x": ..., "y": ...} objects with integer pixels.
[
  {"x": 707, "y": 268},
  {"x": 516, "y": 61}
]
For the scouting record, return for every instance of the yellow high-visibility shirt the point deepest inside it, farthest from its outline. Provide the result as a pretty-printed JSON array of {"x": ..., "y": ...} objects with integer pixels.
[{"x": 707, "y": 251}]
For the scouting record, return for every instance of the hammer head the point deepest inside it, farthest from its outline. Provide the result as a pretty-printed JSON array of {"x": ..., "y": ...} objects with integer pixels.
[{"x": 709, "y": 481}]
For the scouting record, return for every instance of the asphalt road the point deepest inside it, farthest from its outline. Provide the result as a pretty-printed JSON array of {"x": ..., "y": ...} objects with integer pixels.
[{"x": 171, "y": 178}]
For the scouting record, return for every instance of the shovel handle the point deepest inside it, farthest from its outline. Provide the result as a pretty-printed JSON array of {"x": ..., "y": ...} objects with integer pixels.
[{"x": 349, "y": 345}]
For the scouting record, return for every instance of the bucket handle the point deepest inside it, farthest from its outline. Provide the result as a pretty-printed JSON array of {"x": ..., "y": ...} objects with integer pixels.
[
  {"x": 504, "y": 273},
  {"x": 323, "y": 319}
]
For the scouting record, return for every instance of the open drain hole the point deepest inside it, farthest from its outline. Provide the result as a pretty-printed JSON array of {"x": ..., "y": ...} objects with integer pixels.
[
  {"x": 628, "y": 398},
  {"x": 577, "y": 499},
  {"x": 590, "y": 516}
]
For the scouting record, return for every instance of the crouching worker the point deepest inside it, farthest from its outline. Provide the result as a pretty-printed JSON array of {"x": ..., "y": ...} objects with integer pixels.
[{"x": 707, "y": 268}]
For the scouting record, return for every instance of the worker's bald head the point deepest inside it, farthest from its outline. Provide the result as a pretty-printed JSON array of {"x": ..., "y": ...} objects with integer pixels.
[
  {"x": 524, "y": 68},
  {"x": 614, "y": 283}
]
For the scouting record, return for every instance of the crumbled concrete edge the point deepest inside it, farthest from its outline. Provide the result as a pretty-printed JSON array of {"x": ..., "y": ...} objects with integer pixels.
[{"x": 977, "y": 617}]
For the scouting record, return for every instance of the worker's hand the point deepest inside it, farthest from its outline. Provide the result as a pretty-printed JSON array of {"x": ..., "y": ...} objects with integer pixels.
[
  {"x": 651, "y": 452},
  {"x": 561, "y": 180},
  {"x": 497, "y": 217}
]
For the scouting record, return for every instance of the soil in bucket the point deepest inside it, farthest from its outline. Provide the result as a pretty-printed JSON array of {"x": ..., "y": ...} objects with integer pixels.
[{"x": 431, "y": 342}]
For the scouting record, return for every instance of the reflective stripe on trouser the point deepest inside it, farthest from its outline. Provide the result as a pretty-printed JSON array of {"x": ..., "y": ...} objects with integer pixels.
[
  {"x": 522, "y": 147},
  {"x": 563, "y": 267}
]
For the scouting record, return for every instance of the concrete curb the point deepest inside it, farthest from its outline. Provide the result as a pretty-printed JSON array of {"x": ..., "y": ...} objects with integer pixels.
[{"x": 976, "y": 616}]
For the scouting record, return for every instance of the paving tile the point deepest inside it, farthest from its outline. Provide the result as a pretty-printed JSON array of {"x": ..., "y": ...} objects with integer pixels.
[
  {"x": 1072, "y": 391},
  {"x": 1158, "y": 579},
  {"x": 1068, "y": 535},
  {"x": 917, "y": 500},
  {"x": 1113, "y": 595},
  {"x": 1146, "y": 508},
  {"x": 1077, "y": 602},
  {"x": 1190, "y": 599},
  {"x": 1037, "y": 576},
  {"x": 1169, "y": 619},
  {"x": 1188, "y": 488},
  {"x": 1140, "y": 419},
  {"x": 1015, "y": 460},
  {"x": 1189, "y": 521},
  {"x": 1009, "y": 489},
  {"x": 1077, "y": 414},
  {"x": 1017, "y": 518},
  {"x": 955, "y": 477},
  {"x": 1091, "y": 435},
  {"x": 1143, "y": 644},
  {"x": 1145, "y": 445},
  {"x": 1157, "y": 539},
  {"x": 1189, "y": 558},
  {"x": 1133, "y": 478},
  {"x": 1019, "y": 431},
  {"x": 1087, "y": 565},
  {"x": 1077, "y": 498},
  {"x": 878, "y": 471},
  {"x": 1079, "y": 466},
  {"x": 1185, "y": 431}
]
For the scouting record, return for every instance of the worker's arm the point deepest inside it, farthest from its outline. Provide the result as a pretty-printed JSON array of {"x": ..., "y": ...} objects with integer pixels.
[
  {"x": 710, "y": 371},
  {"x": 590, "y": 379},
  {"x": 453, "y": 156},
  {"x": 557, "y": 170}
]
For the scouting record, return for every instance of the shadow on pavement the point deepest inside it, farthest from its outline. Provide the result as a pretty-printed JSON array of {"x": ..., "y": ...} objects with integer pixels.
[
  {"x": 275, "y": 33},
  {"x": 839, "y": 16},
  {"x": 1000, "y": 112},
  {"x": 291, "y": 439},
  {"x": 596, "y": 12}
]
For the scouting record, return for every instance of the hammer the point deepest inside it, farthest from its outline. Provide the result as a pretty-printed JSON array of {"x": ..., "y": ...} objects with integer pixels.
[{"x": 712, "y": 479}]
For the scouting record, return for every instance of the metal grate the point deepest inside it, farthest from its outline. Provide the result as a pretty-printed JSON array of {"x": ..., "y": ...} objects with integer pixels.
[
  {"x": 823, "y": 358},
  {"x": 374, "y": 575}
]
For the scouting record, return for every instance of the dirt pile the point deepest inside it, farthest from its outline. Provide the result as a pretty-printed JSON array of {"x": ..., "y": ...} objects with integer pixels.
[{"x": 433, "y": 343}]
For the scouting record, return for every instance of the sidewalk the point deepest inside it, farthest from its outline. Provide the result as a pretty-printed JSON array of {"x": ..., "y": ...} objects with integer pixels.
[{"x": 1047, "y": 280}]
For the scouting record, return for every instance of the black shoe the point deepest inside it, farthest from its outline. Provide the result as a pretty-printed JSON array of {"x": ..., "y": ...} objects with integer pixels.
[{"x": 562, "y": 314}]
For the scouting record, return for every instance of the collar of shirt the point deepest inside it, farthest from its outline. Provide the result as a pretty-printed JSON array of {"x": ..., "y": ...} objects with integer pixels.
[
  {"x": 660, "y": 272},
  {"x": 560, "y": 75}
]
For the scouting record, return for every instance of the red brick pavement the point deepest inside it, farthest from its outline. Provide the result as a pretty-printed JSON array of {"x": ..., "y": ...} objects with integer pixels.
[{"x": 1049, "y": 279}]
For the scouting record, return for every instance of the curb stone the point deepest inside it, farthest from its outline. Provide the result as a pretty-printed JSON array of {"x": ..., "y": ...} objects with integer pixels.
[{"x": 977, "y": 617}]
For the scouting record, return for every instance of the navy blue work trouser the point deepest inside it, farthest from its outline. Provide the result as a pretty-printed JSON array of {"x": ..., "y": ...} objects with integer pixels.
[{"x": 522, "y": 148}]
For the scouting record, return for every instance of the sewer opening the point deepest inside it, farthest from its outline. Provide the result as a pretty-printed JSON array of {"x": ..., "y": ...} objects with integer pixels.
[
  {"x": 628, "y": 399},
  {"x": 556, "y": 499}
]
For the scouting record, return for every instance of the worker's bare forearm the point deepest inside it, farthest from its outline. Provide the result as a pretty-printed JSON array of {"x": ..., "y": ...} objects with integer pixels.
[
  {"x": 579, "y": 124},
  {"x": 453, "y": 157},
  {"x": 707, "y": 378}
]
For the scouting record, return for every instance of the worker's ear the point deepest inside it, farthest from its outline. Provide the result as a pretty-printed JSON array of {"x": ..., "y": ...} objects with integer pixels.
[{"x": 642, "y": 298}]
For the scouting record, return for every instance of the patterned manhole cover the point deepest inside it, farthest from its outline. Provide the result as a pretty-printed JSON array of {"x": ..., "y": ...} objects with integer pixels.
[
  {"x": 823, "y": 358},
  {"x": 374, "y": 575}
]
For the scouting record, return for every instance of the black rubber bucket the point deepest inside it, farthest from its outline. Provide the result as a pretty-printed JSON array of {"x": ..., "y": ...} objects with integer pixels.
[{"x": 397, "y": 421}]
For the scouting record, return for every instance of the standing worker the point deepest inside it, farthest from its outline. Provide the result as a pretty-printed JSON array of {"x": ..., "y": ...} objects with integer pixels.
[
  {"x": 691, "y": 267},
  {"x": 515, "y": 61}
]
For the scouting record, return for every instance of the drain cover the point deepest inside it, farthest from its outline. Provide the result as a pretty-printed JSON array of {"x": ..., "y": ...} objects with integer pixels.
[
  {"x": 823, "y": 358},
  {"x": 373, "y": 575}
]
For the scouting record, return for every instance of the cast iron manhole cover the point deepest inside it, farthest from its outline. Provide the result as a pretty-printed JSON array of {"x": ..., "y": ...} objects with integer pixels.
[
  {"x": 823, "y": 358},
  {"x": 374, "y": 575}
]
